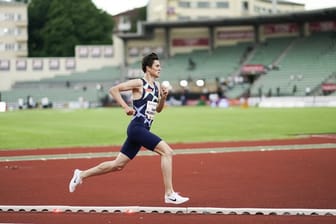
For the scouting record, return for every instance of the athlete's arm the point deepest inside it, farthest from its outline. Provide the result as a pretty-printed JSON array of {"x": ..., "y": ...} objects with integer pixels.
[
  {"x": 162, "y": 99},
  {"x": 131, "y": 85}
]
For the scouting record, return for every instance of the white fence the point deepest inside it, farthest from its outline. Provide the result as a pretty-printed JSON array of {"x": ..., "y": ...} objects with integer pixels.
[{"x": 286, "y": 102}]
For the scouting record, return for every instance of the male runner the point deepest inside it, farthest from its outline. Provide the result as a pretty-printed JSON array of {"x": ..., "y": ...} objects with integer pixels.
[{"x": 148, "y": 98}]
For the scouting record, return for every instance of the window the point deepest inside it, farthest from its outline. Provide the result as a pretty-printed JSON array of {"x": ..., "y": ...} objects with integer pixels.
[
  {"x": 21, "y": 64},
  {"x": 18, "y": 17},
  {"x": 9, "y": 16},
  {"x": 203, "y": 4},
  {"x": 82, "y": 52},
  {"x": 70, "y": 63},
  {"x": 4, "y": 65},
  {"x": 222, "y": 4},
  {"x": 10, "y": 47},
  {"x": 95, "y": 52},
  {"x": 18, "y": 31},
  {"x": 184, "y": 4},
  {"x": 2, "y": 32},
  {"x": 54, "y": 64},
  {"x": 21, "y": 47},
  {"x": 124, "y": 23},
  {"x": 170, "y": 10},
  {"x": 37, "y": 64},
  {"x": 108, "y": 52},
  {"x": 9, "y": 31}
]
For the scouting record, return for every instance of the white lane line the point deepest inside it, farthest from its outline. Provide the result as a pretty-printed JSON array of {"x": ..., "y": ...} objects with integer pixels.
[
  {"x": 176, "y": 210},
  {"x": 176, "y": 151}
]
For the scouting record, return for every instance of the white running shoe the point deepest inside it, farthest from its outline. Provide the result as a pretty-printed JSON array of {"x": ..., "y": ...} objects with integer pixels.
[
  {"x": 175, "y": 198},
  {"x": 75, "y": 180}
]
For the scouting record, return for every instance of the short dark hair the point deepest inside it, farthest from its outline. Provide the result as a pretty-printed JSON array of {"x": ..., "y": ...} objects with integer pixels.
[{"x": 148, "y": 60}]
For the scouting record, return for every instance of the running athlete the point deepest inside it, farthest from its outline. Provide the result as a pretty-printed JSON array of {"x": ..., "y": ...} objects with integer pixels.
[{"x": 148, "y": 98}]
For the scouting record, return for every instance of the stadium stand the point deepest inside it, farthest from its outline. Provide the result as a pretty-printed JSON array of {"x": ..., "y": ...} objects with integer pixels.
[
  {"x": 303, "y": 63},
  {"x": 237, "y": 91},
  {"x": 329, "y": 86},
  {"x": 302, "y": 70},
  {"x": 222, "y": 62},
  {"x": 88, "y": 86},
  {"x": 269, "y": 51}
]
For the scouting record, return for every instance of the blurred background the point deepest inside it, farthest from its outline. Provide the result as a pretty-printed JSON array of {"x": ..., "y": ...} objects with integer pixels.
[{"x": 220, "y": 53}]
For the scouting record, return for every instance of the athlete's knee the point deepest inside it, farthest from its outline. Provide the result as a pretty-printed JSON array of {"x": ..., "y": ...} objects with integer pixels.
[
  {"x": 169, "y": 152},
  {"x": 111, "y": 166},
  {"x": 119, "y": 166},
  {"x": 120, "y": 162},
  {"x": 164, "y": 149}
]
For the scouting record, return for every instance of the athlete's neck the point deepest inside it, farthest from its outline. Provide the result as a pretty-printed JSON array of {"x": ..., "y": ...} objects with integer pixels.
[{"x": 150, "y": 79}]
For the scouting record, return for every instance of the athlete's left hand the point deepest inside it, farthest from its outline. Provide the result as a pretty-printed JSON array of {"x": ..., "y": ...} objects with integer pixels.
[
  {"x": 129, "y": 111},
  {"x": 164, "y": 91}
]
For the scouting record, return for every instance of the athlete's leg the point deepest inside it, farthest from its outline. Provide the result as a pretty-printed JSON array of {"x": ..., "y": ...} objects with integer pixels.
[
  {"x": 105, "y": 167},
  {"x": 166, "y": 154},
  {"x": 116, "y": 165},
  {"x": 167, "y": 172}
]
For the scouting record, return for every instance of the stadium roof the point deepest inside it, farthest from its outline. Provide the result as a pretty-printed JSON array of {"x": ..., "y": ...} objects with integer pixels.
[
  {"x": 328, "y": 14},
  {"x": 284, "y": 2}
]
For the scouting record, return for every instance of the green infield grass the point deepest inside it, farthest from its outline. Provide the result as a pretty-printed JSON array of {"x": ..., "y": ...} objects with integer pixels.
[{"x": 107, "y": 126}]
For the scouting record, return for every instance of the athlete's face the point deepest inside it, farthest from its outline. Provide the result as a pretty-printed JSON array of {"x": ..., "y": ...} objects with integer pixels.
[{"x": 155, "y": 69}]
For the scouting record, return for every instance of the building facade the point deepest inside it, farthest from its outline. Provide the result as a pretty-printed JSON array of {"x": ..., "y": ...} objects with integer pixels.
[
  {"x": 185, "y": 10},
  {"x": 13, "y": 30}
]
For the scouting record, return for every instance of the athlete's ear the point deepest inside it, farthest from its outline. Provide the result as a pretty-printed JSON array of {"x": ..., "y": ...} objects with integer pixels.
[{"x": 148, "y": 68}]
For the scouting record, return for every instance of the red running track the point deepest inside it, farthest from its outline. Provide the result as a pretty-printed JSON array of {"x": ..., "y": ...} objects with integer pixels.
[{"x": 269, "y": 179}]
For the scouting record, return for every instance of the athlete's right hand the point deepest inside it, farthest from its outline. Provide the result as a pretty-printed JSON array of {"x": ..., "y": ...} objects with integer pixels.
[{"x": 129, "y": 111}]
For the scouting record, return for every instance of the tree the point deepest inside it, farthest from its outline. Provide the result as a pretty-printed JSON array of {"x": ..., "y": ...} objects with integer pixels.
[
  {"x": 57, "y": 26},
  {"x": 37, "y": 17}
]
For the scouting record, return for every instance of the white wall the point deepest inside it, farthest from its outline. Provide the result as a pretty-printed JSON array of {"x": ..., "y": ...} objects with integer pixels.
[
  {"x": 86, "y": 58},
  {"x": 285, "y": 102}
]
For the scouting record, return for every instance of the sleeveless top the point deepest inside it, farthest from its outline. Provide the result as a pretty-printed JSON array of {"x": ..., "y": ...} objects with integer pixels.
[{"x": 145, "y": 107}]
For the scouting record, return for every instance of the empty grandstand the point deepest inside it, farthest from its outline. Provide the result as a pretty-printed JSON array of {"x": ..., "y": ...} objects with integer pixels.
[
  {"x": 82, "y": 87},
  {"x": 303, "y": 68}
]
